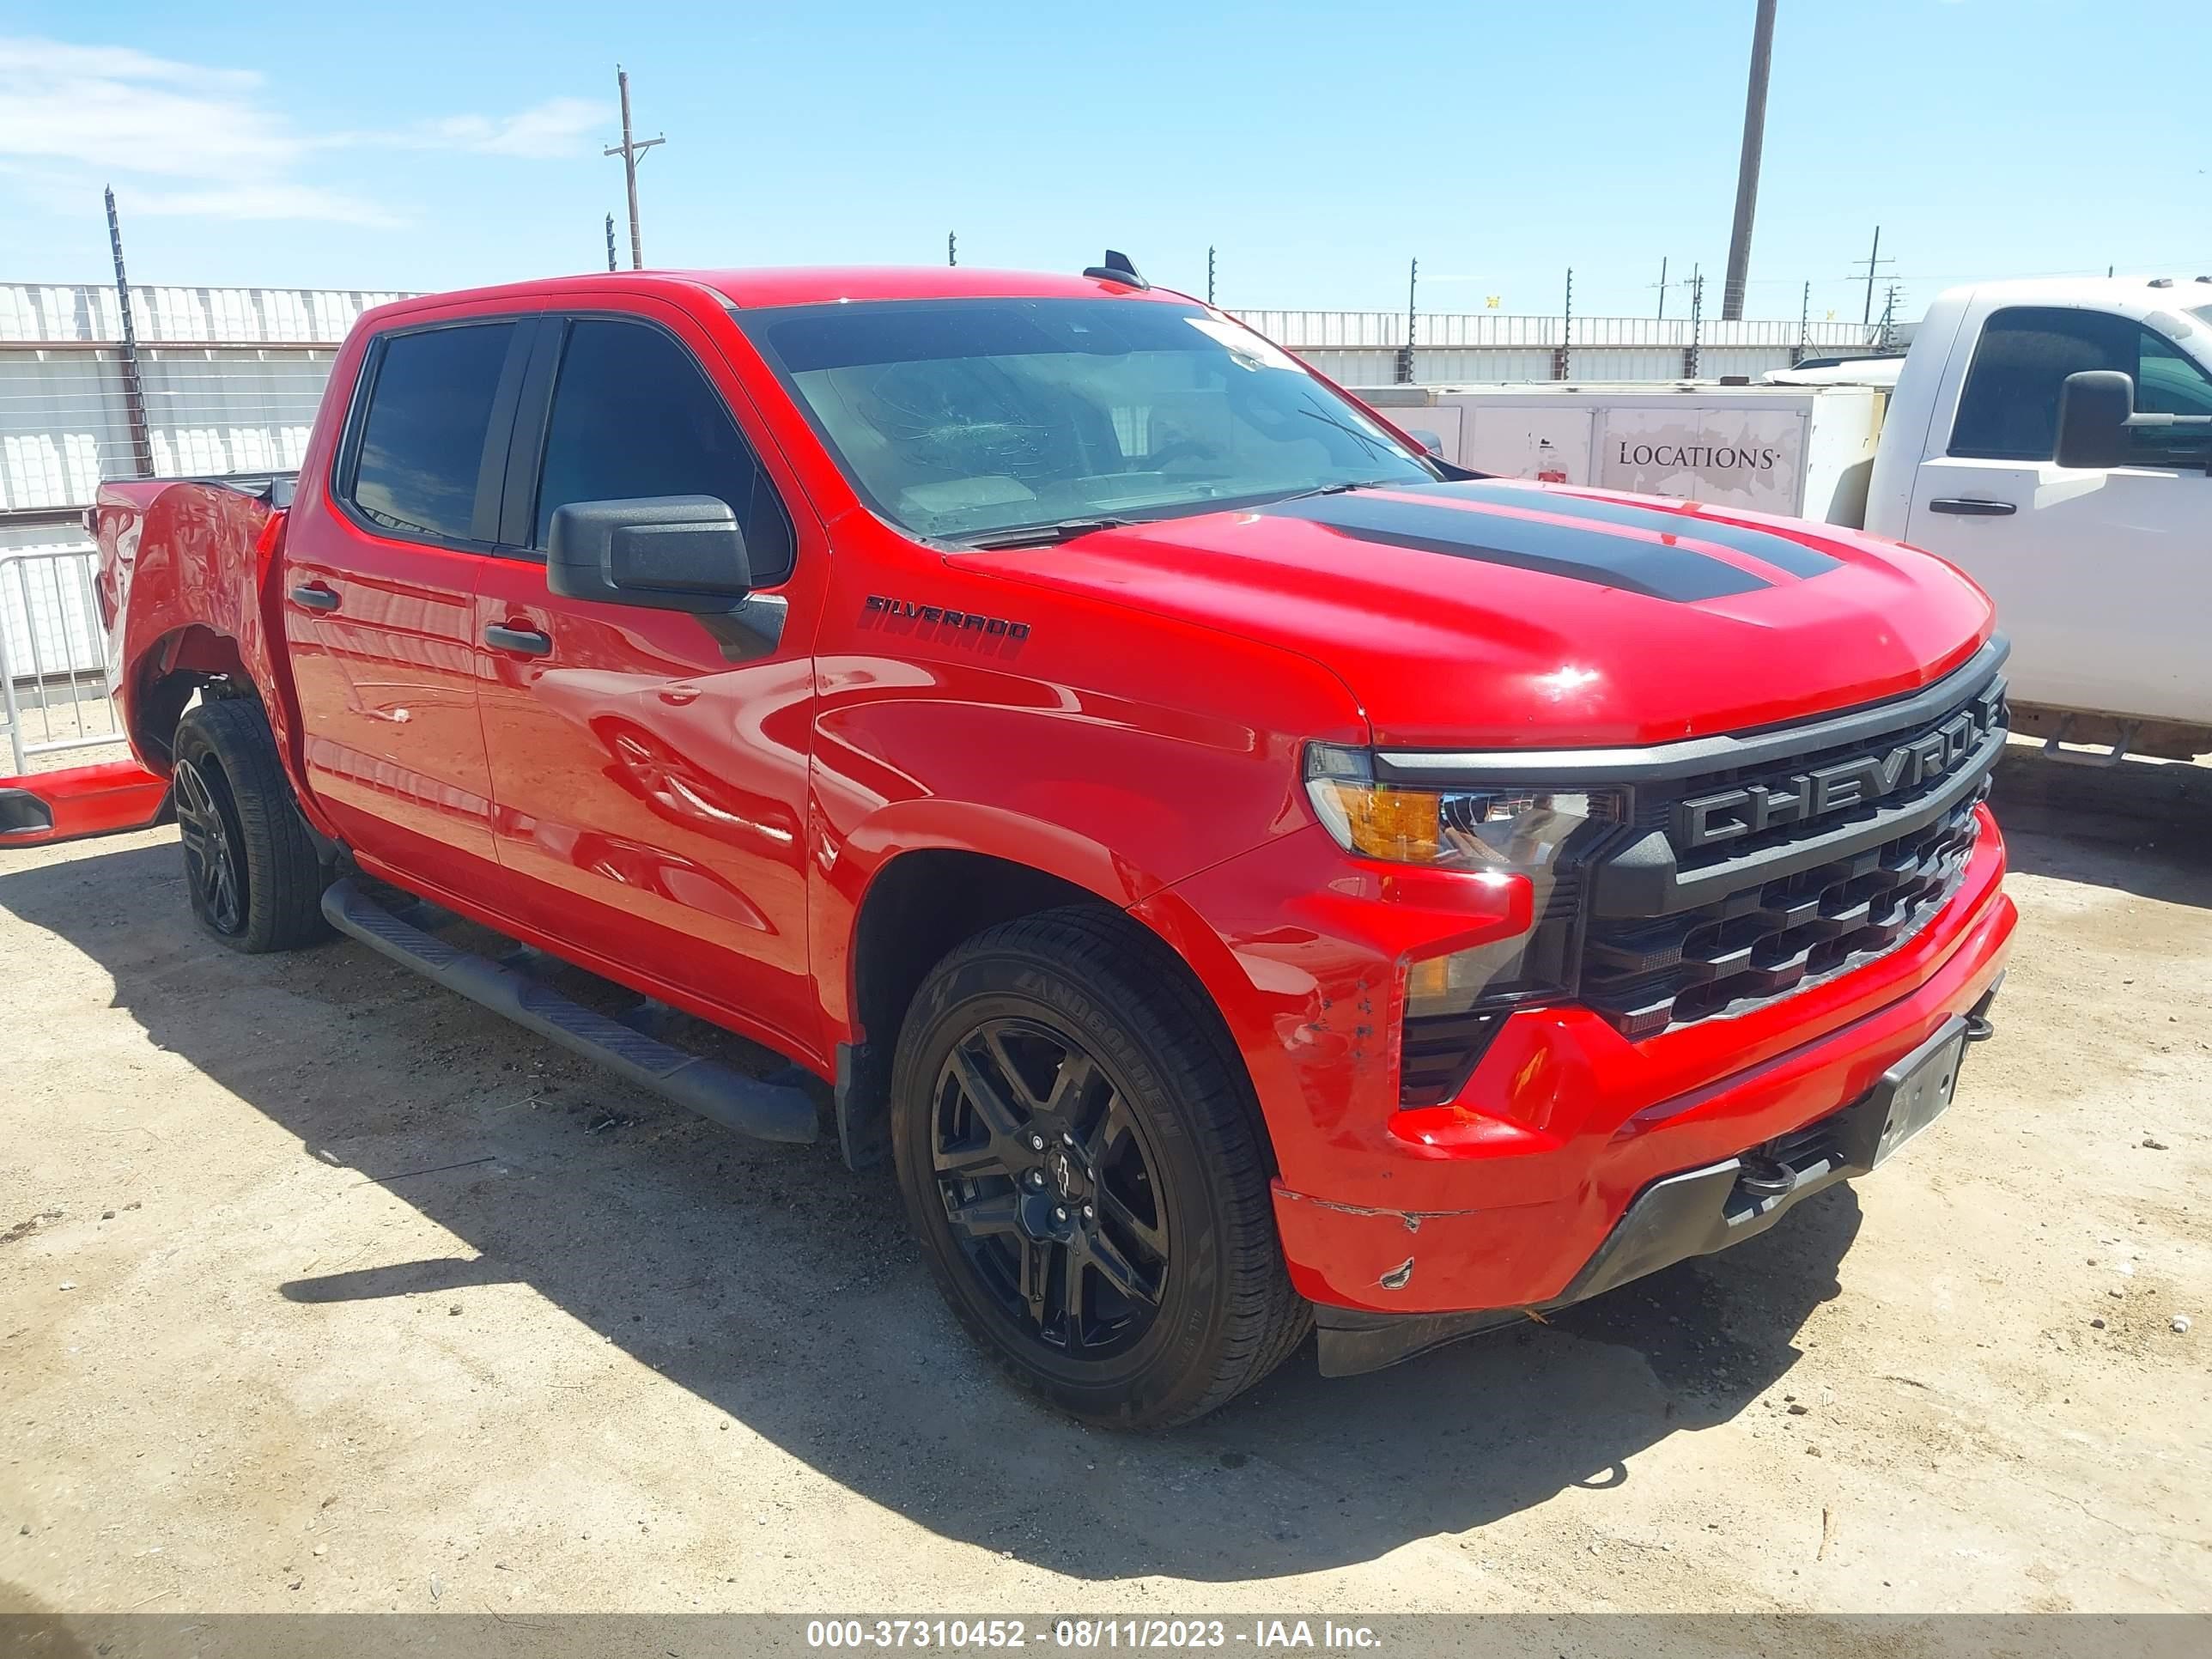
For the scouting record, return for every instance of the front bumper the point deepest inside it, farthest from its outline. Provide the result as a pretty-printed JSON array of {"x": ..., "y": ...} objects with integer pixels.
[
  {"x": 1498, "y": 1198},
  {"x": 1700, "y": 1212},
  {"x": 100, "y": 800}
]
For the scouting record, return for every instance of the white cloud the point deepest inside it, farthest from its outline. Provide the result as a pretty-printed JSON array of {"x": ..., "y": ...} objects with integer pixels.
[
  {"x": 557, "y": 127},
  {"x": 270, "y": 200},
  {"x": 206, "y": 142},
  {"x": 112, "y": 109}
]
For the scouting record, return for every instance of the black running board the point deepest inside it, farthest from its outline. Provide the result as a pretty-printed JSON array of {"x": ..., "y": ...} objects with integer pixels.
[{"x": 764, "y": 1111}]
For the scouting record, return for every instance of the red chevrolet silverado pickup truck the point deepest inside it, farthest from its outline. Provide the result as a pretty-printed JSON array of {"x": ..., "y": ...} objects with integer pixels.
[{"x": 1246, "y": 877}]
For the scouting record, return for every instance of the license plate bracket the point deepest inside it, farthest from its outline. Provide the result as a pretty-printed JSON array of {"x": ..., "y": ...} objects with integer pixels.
[{"x": 1911, "y": 1095}]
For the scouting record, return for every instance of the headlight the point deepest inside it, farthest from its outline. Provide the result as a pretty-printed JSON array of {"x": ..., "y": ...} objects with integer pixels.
[
  {"x": 1521, "y": 828},
  {"x": 1454, "y": 1002}
]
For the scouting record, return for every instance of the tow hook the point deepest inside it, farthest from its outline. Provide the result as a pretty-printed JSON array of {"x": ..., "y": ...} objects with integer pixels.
[
  {"x": 1978, "y": 1026},
  {"x": 1766, "y": 1177}
]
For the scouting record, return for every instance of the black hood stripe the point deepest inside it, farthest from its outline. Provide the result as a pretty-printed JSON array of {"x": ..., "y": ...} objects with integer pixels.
[
  {"x": 1781, "y": 552},
  {"x": 1653, "y": 568}
]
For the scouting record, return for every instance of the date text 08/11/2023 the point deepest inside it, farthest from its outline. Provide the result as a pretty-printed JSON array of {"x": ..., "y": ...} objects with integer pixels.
[{"x": 1084, "y": 1635}]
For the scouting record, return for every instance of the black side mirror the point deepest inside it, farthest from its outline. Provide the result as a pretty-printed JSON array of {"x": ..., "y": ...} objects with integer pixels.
[
  {"x": 664, "y": 552},
  {"x": 2094, "y": 408}
]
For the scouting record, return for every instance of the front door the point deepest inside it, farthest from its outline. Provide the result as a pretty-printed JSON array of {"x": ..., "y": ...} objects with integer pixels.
[
  {"x": 378, "y": 593},
  {"x": 2101, "y": 576},
  {"x": 649, "y": 767}
]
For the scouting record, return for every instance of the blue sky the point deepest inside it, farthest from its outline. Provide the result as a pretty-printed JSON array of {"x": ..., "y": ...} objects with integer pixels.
[{"x": 1317, "y": 146}]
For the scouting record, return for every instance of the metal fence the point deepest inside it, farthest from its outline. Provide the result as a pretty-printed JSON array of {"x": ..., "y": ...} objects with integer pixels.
[
  {"x": 1371, "y": 348},
  {"x": 53, "y": 683}
]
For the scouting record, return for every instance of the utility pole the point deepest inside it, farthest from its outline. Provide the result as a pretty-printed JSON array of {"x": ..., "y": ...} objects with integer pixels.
[
  {"x": 1804, "y": 326},
  {"x": 630, "y": 150},
  {"x": 1747, "y": 168},
  {"x": 134, "y": 386},
  {"x": 610, "y": 241},
  {"x": 1663, "y": 288},
  {"x": 1696, "y": 319},
  {"x": 1209, "y": 274},
  {"x": 1888, "y": 314},
  {"x": 952, "y": 247},
  {"x": 1566, "y": 330},
  {"x": 1405, "y": 356},
  {"x": 1872, "y": 262}
]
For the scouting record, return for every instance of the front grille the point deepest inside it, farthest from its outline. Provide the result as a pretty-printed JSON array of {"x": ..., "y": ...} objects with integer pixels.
[
  {"x": 1743, "y": 921},
  {"x": 1766, "y": 942},
  {"x": 1728, "y": 871}
]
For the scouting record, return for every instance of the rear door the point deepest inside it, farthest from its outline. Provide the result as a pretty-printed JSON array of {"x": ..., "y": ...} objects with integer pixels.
[
  {"x": 377, "y": 590},
  {"x": 649, "y": 767},
  {"x": 2101, "y": 576}
]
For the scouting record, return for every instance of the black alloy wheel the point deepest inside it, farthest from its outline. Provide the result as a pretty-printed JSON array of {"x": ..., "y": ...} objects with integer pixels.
[
  {"x": 1086, "y": 1168},
  {"x": 1050, "y": 1188},
  {"x": 215, "y": 858},
  {"x": 254, "y": 874}
]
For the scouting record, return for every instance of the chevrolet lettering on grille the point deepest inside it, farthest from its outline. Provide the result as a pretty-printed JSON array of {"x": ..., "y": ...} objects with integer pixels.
[{"x": 1730, "y": 814}]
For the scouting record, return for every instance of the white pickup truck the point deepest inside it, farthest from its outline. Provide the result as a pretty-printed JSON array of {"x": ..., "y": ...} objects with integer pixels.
[{"x": 2052, "y": 438}]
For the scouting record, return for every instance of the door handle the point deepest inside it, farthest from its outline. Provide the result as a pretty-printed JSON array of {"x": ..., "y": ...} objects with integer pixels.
[
  {"x": 313, "y": 596},
  {"x": 523, "y": 642},
  {"x": 1971, "y": 507}
]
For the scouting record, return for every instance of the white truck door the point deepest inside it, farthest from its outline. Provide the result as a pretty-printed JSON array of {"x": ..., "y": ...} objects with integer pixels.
[{"x": 2103, "y": 577}]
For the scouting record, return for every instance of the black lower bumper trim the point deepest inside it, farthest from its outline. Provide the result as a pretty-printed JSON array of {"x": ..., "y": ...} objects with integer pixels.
[{"x": 1695, "y": 1212}]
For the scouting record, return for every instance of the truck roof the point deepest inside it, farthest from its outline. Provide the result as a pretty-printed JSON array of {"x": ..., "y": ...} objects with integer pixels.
[
  {"x": 804, "y": 285},
  {"x": 2162, "y": 291}
]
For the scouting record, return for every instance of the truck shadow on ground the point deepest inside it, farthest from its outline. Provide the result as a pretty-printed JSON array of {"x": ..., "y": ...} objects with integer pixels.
[
  {"x": 783, "y": 1290},
  {"x": 2141, "y": 826}
]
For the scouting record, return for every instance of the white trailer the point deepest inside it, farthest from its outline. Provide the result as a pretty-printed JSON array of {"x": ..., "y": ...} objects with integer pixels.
[{"x": 1807, "y": 452}]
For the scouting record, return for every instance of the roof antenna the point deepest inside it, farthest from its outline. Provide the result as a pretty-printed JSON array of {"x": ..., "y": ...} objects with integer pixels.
[{"x": 1116, "y": 268}]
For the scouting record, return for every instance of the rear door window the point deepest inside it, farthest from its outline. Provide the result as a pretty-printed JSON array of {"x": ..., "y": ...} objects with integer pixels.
[
  {"x": 2009, "y": 409},
  {"x": 634, "y": 415},
  {"x": 424, "y": 430}
]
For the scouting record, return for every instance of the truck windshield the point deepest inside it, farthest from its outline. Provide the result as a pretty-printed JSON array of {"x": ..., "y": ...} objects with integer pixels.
[{"x": 967, "y": 417}]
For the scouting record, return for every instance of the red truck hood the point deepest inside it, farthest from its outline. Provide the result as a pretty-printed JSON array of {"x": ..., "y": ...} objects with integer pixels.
[{"x": 1496, "y": 613}]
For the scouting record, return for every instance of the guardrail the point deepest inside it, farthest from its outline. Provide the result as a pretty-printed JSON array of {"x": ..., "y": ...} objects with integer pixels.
[{"x": 53, "y": 681}]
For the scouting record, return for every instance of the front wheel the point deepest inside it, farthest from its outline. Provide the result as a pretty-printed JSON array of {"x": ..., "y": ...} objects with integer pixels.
[{"x": 1078, "y": 1153}]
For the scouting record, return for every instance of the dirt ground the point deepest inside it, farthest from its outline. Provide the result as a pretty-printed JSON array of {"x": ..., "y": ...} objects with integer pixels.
[{"x": 322, "y": 1290}]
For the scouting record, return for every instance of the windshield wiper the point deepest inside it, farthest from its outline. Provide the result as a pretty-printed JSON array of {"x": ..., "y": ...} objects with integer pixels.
[
  {"x": 1343, "y": 489},
  {"x": 1045, "y": 535}
]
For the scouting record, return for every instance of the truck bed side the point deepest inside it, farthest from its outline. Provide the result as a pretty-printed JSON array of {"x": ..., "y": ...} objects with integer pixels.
[{"x": 183, "y": 567}]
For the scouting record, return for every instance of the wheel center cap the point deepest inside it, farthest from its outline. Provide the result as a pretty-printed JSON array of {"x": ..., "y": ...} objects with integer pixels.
[{"x": 1060, "y": 1169}]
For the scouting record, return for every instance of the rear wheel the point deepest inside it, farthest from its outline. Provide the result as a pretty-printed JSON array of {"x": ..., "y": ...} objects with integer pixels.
[
  {"x": 251, "y": 868},
  {"x": 1079, "y": 1154}
]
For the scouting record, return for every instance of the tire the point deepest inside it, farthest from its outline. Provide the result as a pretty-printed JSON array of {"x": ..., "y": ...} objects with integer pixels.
[
  {"x": 255, "y": 880},
  {"x": 1151, "y": 1179}
]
